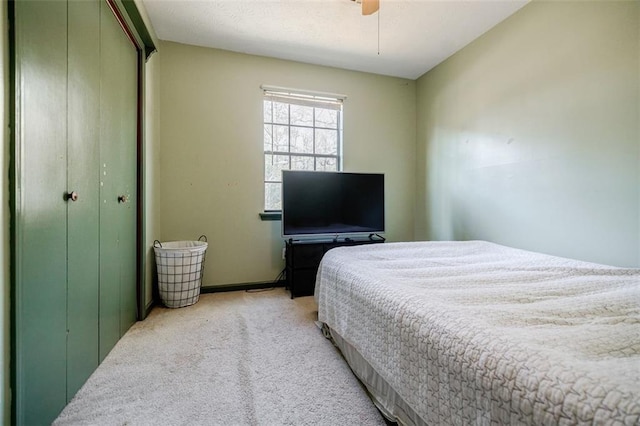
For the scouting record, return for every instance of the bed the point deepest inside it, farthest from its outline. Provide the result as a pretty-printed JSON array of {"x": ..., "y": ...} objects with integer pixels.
[{"x": 477, "y": 333}]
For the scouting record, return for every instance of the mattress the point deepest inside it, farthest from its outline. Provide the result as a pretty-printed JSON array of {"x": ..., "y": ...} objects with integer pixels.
[{"x": 478, "y": 333}]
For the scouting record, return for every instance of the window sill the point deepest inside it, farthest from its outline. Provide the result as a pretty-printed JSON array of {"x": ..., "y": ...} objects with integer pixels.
[{"x": 270, "y": 216}]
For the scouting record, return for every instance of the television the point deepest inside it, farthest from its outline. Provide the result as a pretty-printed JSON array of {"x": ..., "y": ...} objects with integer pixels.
[{"x": 331, "y": 204}]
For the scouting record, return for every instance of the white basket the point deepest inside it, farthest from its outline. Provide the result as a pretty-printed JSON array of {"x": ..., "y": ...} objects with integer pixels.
[{"x": 180, "y": 265}]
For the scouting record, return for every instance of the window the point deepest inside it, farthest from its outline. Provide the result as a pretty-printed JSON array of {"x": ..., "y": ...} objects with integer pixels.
[{"x": 301, "y": 132}]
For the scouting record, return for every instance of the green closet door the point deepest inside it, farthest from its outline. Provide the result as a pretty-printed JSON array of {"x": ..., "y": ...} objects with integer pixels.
[
  {"x": 83, "y": 120},
  {"x": 41, "y": 208},
  {"x": 118, "y": 154},
  {"x": 126, "y": 152},
  {"x": 76, "y": 75}
]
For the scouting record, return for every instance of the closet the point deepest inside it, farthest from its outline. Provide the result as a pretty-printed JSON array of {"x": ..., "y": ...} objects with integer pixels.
[{"x": 75, "y": 201}]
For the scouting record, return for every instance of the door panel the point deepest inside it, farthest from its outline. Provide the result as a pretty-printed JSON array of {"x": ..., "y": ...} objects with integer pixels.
[
  {"x": 41, "y": 234},
  {"x": 75, "y": 261},
  {"x": 83, "y": 177},
  {"x": 118, "y": 159},
  {"x": 127, "y": 181}
]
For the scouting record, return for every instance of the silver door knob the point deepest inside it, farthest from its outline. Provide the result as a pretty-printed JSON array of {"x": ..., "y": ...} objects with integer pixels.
[
  {"x": 73, "y": 196},
  {"x": 122, "y": 198}
]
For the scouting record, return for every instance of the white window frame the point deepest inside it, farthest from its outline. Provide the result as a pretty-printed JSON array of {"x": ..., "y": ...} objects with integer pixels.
[{"x": 303, "y": 98}]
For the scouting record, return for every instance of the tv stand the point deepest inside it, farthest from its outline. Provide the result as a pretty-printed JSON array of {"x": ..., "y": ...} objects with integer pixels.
[{"x": 303, "y": 259}]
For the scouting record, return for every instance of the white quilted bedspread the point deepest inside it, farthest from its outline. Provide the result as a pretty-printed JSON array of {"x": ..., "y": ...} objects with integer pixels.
[{"x": 478, "y": 333}]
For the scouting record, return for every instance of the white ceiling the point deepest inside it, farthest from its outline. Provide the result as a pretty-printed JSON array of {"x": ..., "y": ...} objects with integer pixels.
[{"x": 414, "y": 35}]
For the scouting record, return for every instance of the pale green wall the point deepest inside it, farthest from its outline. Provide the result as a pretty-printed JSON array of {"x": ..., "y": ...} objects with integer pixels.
[
  {"x": 529, "y": 136},
  {"x": 212, "y": 159},
  {"x": 5, "y": 285}
]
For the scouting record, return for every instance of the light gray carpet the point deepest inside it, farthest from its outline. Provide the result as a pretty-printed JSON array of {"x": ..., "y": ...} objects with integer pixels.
[{"x": 231, "y": 359}]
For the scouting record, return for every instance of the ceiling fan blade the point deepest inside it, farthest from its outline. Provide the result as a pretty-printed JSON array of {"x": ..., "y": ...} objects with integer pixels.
[{"x": 369, "y": 7}]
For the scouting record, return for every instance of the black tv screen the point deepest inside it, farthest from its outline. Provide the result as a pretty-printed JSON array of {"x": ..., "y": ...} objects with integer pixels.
[{"x": 331, "y": 203}]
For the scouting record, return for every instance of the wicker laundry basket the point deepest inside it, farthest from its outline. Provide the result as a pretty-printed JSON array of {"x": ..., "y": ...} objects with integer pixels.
[{"x": 180, "y": 265}]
